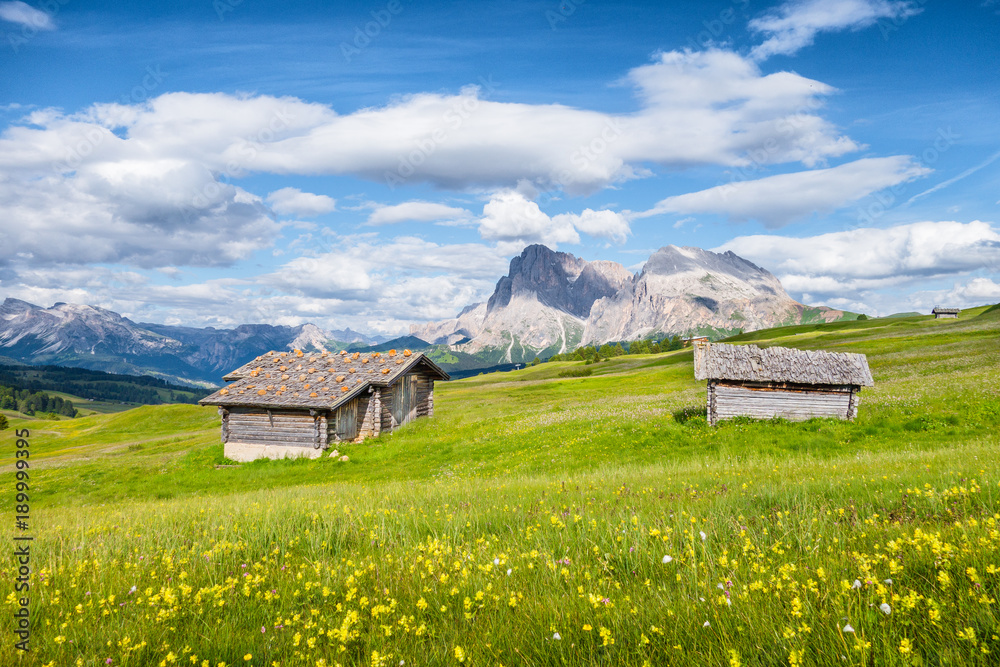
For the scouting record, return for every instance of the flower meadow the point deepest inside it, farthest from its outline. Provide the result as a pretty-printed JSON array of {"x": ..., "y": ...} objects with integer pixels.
[
  {"x": 741, "y": 565},
  {"x": 758, "y": 543}
]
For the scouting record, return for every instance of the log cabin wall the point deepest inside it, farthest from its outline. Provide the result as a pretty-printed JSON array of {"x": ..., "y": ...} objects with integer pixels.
[
  {"x": 386, "y": 421},
  {"x": 255, "y": 426},
  {"x": 425, "y": 395},
  {"x": 371, "y": 420},
  {"x": 764, "y": 401}
]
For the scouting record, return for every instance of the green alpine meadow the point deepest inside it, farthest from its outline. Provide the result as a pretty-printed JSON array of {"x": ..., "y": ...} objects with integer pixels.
[{"x": 567, "y": 513}]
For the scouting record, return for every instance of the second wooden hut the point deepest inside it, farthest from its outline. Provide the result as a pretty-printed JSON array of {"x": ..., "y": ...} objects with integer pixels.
[{"x": 746, "y": 380}]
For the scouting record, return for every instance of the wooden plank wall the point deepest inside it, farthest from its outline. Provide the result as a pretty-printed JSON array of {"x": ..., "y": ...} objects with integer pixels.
[
  {"x": 288, "y": 428},
  {"x": 727, "y": 401},
  {"x": 371, "y": 424},
  {"x": 388, "y": 422},
  {"x": 345, "y": 422},
  {"x": 425, "y": 395}
]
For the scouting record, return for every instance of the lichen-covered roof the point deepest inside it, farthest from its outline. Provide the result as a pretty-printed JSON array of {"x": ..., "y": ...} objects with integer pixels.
[
  {"x": 945, "y": 311},
  {"x": 323, "y": 380},
  {"x": 749, "y": 363}
]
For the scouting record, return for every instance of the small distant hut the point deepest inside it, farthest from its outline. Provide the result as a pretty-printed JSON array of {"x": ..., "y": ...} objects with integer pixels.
[
  {"x": 296, "y": 404},
  {"x": 746, "y": 380},
  {"x": 945, "y": 313},
  {"x": 688, "y": 342}
]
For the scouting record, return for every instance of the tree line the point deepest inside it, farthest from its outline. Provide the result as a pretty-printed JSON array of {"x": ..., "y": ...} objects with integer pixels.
[
  {"x": 30, "y": 403},
  {"x": 96, "y": 385},
  {"x": 593, "y": 353}
]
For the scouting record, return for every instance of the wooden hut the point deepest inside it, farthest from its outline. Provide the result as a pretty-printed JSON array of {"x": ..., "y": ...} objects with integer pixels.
[
  {"x": 688, "y": 342},
  {"x": 940, "y": 313},
  {"x": 746, "y": 380},
  {"x": 295, "y": 404}
]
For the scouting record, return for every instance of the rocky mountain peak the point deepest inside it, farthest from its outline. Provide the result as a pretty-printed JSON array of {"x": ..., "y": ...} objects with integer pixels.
[
  {"x": 558, "y": 280},
  {"x": 672, "y": 259},
  {"x": 11, "y": 307}
]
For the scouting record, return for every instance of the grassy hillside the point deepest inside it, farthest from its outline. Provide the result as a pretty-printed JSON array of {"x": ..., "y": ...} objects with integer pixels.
[{"x": 528, "y": 523}]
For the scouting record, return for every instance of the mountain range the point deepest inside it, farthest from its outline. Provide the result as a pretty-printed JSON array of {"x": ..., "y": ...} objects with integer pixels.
[
  {"x": 100, "y": 339},
  {"x": 549, "y": 302}
]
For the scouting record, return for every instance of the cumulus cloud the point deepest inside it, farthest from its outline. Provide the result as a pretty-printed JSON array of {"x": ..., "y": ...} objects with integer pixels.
[
  {"x": 167, "y": 215},
  {"x": 24, "y": 14},
  {"x": 512, "y": 218},
  {"x": 292, "y": 201},
  {"x": 795, "y": 24},
  {"x": 607, "y": 224},
  {"x": 976, "y": 291},
  {"x": 694, "y": 108},
  {"x": 514, "y": 221},
  {"x": 778, "y": 200},
  {"x": 841, "y": 263},
  {"x": 363, "y": 282},
  {"x": 416, "y": 211}
]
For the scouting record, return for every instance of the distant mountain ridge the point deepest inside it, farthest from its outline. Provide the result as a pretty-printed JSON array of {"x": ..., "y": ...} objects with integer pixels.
[
  {"x": 551, "y": 302},
  {"x": 99, "y": 339}
]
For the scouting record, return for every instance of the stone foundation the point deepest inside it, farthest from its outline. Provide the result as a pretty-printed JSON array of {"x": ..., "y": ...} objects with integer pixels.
[{"x": 244, "y": 452}]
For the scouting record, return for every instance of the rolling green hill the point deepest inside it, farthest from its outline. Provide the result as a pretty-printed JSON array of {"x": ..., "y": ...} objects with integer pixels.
[{"x": 544, "y": 519}]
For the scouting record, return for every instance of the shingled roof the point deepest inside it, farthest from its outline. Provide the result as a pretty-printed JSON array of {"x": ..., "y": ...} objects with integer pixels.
[
  {"x": 323, "y": 381},
  {"x": 749, "y": 363}
]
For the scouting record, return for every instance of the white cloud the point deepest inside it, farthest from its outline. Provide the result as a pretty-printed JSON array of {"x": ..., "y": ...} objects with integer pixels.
[
  {"x": 977, "y": 291},
  {"x": 416, "y": 211},
  {"x": 796, "y": 23},
  {"x": 694, "y": 108},
  {"x": 607, "y": 224},
  {"x": 148, "y": 215},
  {"x": 292, "y": 201},
  {"x": 511, "y": 218},
  {"x": 871, "y": 258},
  {"x": 778, "y": 200},
  {"x": 515, "y": 222},
  {"x": 26, "y": 15},
  {"x": 363, "y": 282}
]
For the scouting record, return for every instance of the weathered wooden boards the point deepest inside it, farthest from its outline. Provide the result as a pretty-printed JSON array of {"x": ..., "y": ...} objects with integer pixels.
[{"x": 779, "y": 382}]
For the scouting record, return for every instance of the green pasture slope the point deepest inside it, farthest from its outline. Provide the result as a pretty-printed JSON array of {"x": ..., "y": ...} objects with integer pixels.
[{"x": 542, "y": 519}]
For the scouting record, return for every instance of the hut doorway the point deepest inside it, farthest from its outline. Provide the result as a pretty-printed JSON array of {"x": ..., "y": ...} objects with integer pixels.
[{"x": 405, "y": 406}]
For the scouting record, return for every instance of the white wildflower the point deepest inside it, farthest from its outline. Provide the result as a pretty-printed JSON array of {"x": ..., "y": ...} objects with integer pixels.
[
  {"x": 885, "y": 608},
  {"x": 848, "y": 628},
  {"x": 667, "y": 559},
  {"x": 856, "y": 584},
  {"x": 703, "y": 535},
  {"x": 556, "y": 636}
]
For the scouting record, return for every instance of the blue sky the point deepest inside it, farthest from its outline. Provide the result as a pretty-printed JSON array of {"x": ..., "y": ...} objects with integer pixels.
[{"x": 376, "y": 164}]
